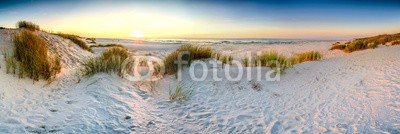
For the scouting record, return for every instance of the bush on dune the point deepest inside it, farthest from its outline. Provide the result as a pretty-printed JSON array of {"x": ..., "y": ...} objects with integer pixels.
[
  {"x": 107, "y": 45},
  {"x": 30, "y": 52},
  {"x": 338, "y": 46},
  {"x": 366, "y": 43},
  {"x": 92, "y": 40},
  {"x": 28, "y": 25},
  {"x": 274, "y": 60},
  {"x": 195, "y": 53},
  {"x": 75, "y": 39},
  {"x": 109, "y": 62},
  {"x": 308, "y": 56},
  {"x": 397, "y": 42}
]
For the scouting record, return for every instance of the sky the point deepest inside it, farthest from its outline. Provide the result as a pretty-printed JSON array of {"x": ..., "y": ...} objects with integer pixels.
[{"x": 311, "y": 19}]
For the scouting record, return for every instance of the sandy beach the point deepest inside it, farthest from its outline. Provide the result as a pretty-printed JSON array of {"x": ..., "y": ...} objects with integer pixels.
[{"x": 342, "y": 93}]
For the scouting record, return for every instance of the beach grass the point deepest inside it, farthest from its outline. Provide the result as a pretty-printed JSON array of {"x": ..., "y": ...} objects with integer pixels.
[
  {"x": 31, "y": 53},
  {"x": 246, "y": 62},
  {"x": 366, "y": 43},
  {"x": 179, "y": 92},
  {"x": 195, "y": 53},
  {"x": 275, "y": 61},
  {"x": 75, "y": 39},
  {"x": 397, "y": 42},
  {"x": 308, "y": 56},
  {"x": 11, "y": 62},
  {"x": 226, "y": 59},
  {"x": 110, "y": 61},
  {"x": 107, "y": 45},
  {"x": 28, "y": 25},
  {"x": 92, "y": 40}
]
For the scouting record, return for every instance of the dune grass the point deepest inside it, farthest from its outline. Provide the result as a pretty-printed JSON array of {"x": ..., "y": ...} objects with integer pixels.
[
  {"x": 75, "y": 39},
  {"x": 274, "y": 60},
  {"x": 246, "y": 62},
  {"x": 31, "y": 55},
  {"x": 107, "y": 45},
  {"x": 92, "y": 40},
  {"x": 11, "y": 62},
  {"x": 397, "y": 42},
  {"x": 179, "y": 93},
  {"x": 226, "y": 59},
  {"x": 195, "y": 53},
  {"x": 366, "y": 43},
  {"x": 109, "y": 62},
  {"x": 28, "y": 25},
  {"x": 308, "y": 56}
]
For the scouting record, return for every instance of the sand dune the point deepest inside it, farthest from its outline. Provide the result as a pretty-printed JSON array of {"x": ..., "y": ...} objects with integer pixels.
[{"x": 343, "y": 93}]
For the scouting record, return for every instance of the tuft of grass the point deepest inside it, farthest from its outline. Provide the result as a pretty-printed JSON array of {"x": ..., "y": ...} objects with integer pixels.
[
  {"x": 11, "y": 62},
  {"x": 153, "y": 86},
  {"x": 308, "y": 56},
  {"x": 366, "y": 43},
  {"x": 373, "y": 45},
  {"x": 169, "y": 63},
  {"x": 246, "y": 62},
  {"x": 275, "y": 61},
  {"x": 108, "y": 45},
  {"x": 75, "y": 39},
  {"x": 31, "y": 53},
  {"x": 195, "y": 53},
  {"x": 2, "y": 28},
  {"x": 226, "y": 59},
  {"x": 216, "y": 55},
  {"x": 338, "y": 46},
  {"x": 397, "y": 42},
  {"x": 92, "y": 40},
  {"x": 179, "y": 93},
  {"x": 109, "y": 62},
  {"x": 28, "y": 25},
  {"x": 355, "y": 46}
]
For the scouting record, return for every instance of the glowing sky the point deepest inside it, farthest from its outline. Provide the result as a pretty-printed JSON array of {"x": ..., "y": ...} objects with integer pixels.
[{"x": 325, "y": 19}]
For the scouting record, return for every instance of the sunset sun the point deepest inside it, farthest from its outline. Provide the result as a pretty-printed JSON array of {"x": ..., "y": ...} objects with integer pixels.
[{"x": 137, "y": 34}]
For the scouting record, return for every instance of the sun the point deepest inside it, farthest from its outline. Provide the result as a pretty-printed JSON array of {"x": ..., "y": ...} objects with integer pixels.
[{"x": 137, "y": 34}]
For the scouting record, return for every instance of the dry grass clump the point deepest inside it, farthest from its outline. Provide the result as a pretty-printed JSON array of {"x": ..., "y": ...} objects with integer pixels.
[
  {"x": 246, "y": 62},
  {"x": 397, "y": 42},
  {"x": 195, "y": 53},
  {"x": 11, "y": 62},
  {"x": 75, "y": 39},
  {"x": 169, "y": 62},
  {"x": 107, "y": 45},
  {"x": 179, "y": 93},
  {"x": 274, "y": 60},
  {"x": 366, "y": 43},
  {"x": 32, "y": 59},
  {"x": 355, "y": 46},
  {"x": 28, "y": 25},
  {"x": 109, "y": 62},
  {"x": 308, "y": 56},
  {"x": 338, "y": 46},
  {"x": 91, "y": 40},
  {"x": 226, "y": 59}
]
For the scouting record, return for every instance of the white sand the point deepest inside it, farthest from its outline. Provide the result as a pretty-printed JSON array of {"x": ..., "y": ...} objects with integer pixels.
[{"x": 344, "y": 93}]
